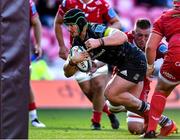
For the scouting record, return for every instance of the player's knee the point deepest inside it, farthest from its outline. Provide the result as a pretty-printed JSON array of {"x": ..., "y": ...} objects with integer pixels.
[{"x": 135, "y": 123}]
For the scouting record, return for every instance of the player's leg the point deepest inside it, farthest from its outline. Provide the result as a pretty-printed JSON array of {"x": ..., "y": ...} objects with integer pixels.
[
  {"x": 33, "y": 111},
  {"x": 98, "y": 83},
  {"x": 83, "y": 80},
  {"x": 158, "y": 102},
  {"x": 93, "y": 87},
  {"x": 120, "y": 91},
  {"x": 168, "y": 79}
]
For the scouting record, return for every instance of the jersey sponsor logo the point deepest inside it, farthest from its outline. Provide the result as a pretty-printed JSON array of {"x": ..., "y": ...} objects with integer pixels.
[
  {"x": 170, "y": 76},
  {"x": 99, "y": 54},
  {"x": 136, "y": 76},
  {"x": 176, "y": 15},
  {"x": 111, "y": 13},
  {"x": 64, "y": 3},
  {"x": 124, "y": 72},
  {"x": 91, "y": 8},
  {"x": 177, "y": 64},
  {"x": 100, "y": 28},
  {"x": 163, "y": 48},
  {"x": 98, "y": 2},
  {"x": 86, "y": 14}
]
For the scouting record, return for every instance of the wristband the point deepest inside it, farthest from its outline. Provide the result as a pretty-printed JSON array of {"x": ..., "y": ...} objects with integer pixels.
[{"x": 101, "y": 41}]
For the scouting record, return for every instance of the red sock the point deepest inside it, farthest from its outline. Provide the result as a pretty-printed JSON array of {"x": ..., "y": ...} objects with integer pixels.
[
  {"x": 157, "y": 105},
  {"x": 32, "y": 106},
  {"x": 145, "y": 90},
  {"x": 96, "y": 117},
  {"x": 106, "y": 109}
]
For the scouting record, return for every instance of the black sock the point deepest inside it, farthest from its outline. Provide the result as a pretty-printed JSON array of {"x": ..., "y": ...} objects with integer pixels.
[
  {"x": 163, "y": 121},
  {"x": 144, "y": 107}
]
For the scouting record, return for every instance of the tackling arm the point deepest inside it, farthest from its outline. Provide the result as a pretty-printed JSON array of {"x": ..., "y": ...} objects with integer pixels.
[
  {"x": 36, "y": 25},
  {"x": 63, "y": 52},
  {"x": 151, "y": 47}
]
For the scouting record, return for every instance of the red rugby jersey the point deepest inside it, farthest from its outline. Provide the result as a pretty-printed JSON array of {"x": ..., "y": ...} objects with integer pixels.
[
  {"x": 168, "y": 25},
  {"x": 96, "y": 11},
  {"x": 33, "y": 11}
]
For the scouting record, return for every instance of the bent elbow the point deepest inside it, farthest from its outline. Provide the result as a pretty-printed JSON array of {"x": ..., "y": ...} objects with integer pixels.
[
  {"x": 67, "y": 75},
  {"x": 124, "y": 38}
]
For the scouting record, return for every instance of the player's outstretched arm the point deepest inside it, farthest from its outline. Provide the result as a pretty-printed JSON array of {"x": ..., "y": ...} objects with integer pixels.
[
  {"x": 63, "y": 50},
  {"x": 113, "y": 37}
]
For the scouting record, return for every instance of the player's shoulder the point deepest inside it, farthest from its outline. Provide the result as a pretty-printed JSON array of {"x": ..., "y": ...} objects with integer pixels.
[{"x": 97, "y": 28}]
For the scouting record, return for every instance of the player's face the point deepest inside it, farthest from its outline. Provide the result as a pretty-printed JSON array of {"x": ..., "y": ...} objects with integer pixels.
[
  {"x": 141, "y": 36},
  {"x": 73, "y": 29}
]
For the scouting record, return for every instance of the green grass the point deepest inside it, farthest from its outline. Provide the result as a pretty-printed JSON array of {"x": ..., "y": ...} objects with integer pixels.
[{"x": 75, "y": 124}]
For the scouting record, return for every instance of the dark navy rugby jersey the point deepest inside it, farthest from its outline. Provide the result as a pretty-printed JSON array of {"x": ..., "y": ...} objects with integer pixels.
[{"x": 114, "y": 55}]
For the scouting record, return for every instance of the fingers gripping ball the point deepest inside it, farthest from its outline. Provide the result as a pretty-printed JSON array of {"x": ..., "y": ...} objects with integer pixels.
[{"x": 85, "y": 65}]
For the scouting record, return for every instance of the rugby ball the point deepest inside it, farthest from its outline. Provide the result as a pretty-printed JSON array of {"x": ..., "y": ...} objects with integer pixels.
[
  {"x": 83, "y": 66},
  {"x": 135, "y": 123}
]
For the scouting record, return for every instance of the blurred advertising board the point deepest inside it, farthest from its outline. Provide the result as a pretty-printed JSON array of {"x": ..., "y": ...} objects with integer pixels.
[{"x": 67, "y": 94}]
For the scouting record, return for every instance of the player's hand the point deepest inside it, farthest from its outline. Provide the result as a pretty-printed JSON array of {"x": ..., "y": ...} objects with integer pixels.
[
  {"x": 92, "y": 43},
  {"x": 149, "y": 72},
  {"x": 63, "y": 52},
  {"x": 38, "y": 51},
  {"x": 79, "y": 57}
]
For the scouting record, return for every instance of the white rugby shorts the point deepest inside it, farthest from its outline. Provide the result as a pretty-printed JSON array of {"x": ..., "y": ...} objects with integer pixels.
[{"x": 82, "y": 76}]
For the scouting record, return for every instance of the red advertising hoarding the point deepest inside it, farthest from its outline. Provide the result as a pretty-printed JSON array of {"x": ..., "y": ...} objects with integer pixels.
[{"x": 67, "y": 94}]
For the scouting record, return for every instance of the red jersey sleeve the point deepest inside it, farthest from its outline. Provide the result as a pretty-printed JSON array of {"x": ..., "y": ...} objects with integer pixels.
[
  {"x": 107, "y": 11},
  {"x": 157, "y": 27},
  {"x": 33, "y": 11}
]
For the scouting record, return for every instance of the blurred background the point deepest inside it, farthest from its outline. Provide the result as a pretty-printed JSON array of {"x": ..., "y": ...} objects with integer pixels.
[{"x": 51, "y": 88}]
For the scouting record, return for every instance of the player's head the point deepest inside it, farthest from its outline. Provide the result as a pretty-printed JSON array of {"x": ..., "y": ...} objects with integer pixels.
[
  {"x": 75, "y": 17},
  {"x": 176, "y": 3},
  {"x": 141, "y": 32}
]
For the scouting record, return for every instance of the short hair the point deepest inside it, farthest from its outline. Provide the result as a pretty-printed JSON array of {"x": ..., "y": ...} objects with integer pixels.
[{"x": 143, "y": 23}]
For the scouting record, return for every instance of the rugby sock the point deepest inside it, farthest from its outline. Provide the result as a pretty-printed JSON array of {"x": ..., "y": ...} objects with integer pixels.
[
  {"x": 163, "y": 121},
  {"x": 158, "y": 102},
  {"x": 32, "y": 111},
  {"x": 106, "y": 109},
  {"x": 33, "y": 115},
  {"x": 144, "y": 107},
  {"x": 32, "y": 106},
  {"x": 96, "y": 117}
]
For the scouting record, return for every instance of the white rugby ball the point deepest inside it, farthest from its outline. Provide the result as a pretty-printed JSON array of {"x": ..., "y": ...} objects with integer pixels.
[{"x": 83, "y": 66}]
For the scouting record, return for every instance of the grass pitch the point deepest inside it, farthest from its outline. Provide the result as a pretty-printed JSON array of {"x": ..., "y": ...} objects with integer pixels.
[{"x": 75, "y": 124}]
